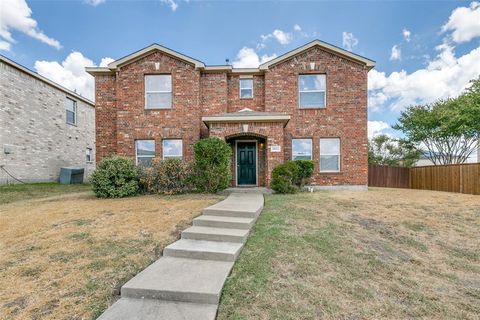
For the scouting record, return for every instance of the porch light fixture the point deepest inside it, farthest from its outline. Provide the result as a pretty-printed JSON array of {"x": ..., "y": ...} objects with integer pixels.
[{"x": 244, "y": 128}]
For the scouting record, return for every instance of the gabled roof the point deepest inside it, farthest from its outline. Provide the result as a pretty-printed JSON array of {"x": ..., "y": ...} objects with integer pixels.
[
  {"x": 326, "y": 46},
  {"x": 45, "y": 80}
]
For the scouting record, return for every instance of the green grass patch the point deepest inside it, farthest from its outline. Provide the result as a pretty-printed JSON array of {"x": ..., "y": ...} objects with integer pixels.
[{"x": 18, "y": 192}]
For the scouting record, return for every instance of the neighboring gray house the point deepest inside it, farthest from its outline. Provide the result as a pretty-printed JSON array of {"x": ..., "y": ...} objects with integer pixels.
[{"x": 43, "y": 126}]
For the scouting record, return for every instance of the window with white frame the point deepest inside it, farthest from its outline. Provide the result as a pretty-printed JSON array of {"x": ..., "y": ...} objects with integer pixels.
[
  {"x": 145, "y": 152},
  {"x": 158, "y": 91},
  {"x": 311, "y": 90},
  {"x": 89, "y": 155},
  {"x": 71, "y": 111},
  {"x": 301, "y": 149},
  {"x": 172, "y": 148},
  {"x": 246, "y": 88},
  {"x": 330, "y": 155}
]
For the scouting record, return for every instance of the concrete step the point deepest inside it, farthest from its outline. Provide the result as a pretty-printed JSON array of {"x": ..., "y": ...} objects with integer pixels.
[
  {"x": 215, "y": 234},
  {"x": 147, "y": 309},
  {"x": 179, "y": 279},
  {"x": 223, "y": 222},
  {"x": 241, "y": 205},
  {"x": 205, "y": 250}
]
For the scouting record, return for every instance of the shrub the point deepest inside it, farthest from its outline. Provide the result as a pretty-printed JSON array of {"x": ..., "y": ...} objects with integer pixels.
[
  {"x": 170, "y": 176},
  {"x": 305, "y": 171},
  {"x": 284, "y": 177},
  {"x": 212, "y": 165},
  {"x": 291, "y": 176},
  {"x": 115, "y": 177}
]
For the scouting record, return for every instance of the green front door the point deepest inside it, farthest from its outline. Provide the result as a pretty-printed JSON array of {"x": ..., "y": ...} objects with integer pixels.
[{"x": 246, "y": 163}]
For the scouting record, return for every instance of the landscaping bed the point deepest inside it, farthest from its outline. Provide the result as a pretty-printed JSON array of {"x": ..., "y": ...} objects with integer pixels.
[
  {"x": 382, "y": 253},
  {"x": 66, "y": 254}
]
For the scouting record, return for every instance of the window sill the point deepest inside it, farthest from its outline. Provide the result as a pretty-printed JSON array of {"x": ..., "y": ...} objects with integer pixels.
[
  {"x": 330, "y": 172},
  {"x": 156, "y": 109},
  {"x": 251, "y": 98},
  {"x": 312, "y": 108},
  {"x": 71, "y": 124}
]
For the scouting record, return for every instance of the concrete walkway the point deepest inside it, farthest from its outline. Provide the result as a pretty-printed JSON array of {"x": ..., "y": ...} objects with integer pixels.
[{"x": 187, "y": 281}]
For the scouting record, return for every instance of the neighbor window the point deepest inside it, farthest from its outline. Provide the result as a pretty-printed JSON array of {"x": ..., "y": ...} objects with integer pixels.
[
  {"x": 158, "y": 91},
  {"x": 330, "y": 155},
  {"x": 71, "y": 110},
  {"x": 88, "y": 155},
  {"x": 172, "y": 148},
  {"x": 246, "y": 88},
  {"x": 311, "y": 90},
  {"x": 301, "y": 149},
  {"x": 145, "y": 152}
]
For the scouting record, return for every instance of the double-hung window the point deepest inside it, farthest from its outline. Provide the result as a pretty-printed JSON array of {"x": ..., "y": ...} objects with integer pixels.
[
  {"x": 145, "y": 152},
  {"x": 88, "y": 155},
  {"x": 301, "y": 149},
  {"x": 311, "y": 91},
  {"x": 158, "y": 91},
  {"x": 246, "y": 88},
  {"x": 330, "y": 155},
  {"x": 71, "y": 111},
  {"x": 172, "y": 148}
]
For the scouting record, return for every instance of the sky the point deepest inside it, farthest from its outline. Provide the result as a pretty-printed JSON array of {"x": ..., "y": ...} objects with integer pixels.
[{"x": 424, "y": 50}]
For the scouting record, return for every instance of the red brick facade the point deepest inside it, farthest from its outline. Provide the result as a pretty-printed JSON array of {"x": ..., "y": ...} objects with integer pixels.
[{"x": 121, "y": 117}]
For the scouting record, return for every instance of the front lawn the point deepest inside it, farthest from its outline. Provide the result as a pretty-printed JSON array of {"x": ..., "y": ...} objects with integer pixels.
[
  {"x": 382, "y": 253},
  {"x": 18, "y": 192},
  {"x": 66, "y": 257}
]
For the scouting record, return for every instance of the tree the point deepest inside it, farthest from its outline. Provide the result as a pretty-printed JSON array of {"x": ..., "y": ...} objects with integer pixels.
[
  {"x": 449, "y": 129},
  {"x": 384, "y": 150}
]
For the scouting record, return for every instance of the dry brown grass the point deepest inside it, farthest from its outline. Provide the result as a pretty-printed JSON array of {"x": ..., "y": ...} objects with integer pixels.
[
  {"x": 65, "y": 257},
  {"x": 377, "y": 254}
]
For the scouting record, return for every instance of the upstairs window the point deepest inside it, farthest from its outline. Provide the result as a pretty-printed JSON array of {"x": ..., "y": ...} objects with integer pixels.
[
  {"x": 172, "y": 148},
  {"x": 246, "y": 88},
  {"x": 311, "y": 90},
  {"x": 330, "y": 155},
  {"x": 158, "y": 91},
  {"x": 71, "y": 111},
  {"x": 145, "y": 152},
  {"x": 301, "y": 149}
]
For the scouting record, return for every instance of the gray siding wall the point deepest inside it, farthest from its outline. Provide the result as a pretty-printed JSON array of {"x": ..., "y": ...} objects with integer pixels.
[{"x": 33, "y": 128}]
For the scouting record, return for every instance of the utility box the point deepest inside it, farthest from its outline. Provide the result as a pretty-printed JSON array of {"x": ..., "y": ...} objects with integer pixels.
[{"x": 71, "y": 175}]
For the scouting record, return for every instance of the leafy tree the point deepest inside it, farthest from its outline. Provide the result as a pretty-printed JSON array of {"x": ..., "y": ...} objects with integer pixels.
[
  {"x": 449, "y": 129},
  {"x": 384, "y": 150}
]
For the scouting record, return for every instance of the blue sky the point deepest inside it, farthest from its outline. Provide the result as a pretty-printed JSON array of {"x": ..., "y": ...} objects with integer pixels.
[{"x": 424, "y": 50}]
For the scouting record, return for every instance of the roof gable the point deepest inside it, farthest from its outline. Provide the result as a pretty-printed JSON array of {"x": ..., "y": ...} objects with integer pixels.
[
  {"x": 325, "y": 46},
  {"x": 152, "y": 48}
]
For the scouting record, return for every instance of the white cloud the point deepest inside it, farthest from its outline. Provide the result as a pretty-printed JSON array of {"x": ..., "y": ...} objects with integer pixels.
[
  {"x": 444, "y": 76},
  {"x": 4, "y": 45},
  {"x": 297, "y": 28},
  {"x": 248, "y": 58},
  {"x": 349, "y": 40},
  {"x": 106, "y": 61},
  {"x": 464, "y": 22},
  {"x": 406, "y": 34},
  {"x": 171, "y": 3},
  {"x": 16, "y": 15},
  {"x": 376, "y": 128},
  {"x": 281, "y": 36},
  {"x": 94, "y": 2},
  {"x": 396, "y": 53},
  {"x": 71, "y": 73}
]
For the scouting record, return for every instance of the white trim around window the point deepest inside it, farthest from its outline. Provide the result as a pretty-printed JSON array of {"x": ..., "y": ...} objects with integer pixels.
[
  {"x": 158, "y": 91},
  {"x": 330, "y": 154},
  {"x": 172, "y": 148},
  {"x": 311, "y": 87},
  {"x": 70, "y": 111},
  {"x": 144, "y": 152},
  {"x": 246, "y": 86},
  {"x": 302, "y": 149},
  {"x": 89, "y": 155}
]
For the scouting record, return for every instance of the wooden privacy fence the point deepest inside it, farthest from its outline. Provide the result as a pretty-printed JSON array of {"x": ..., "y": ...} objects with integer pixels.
[{"x": 462, "y": 178}]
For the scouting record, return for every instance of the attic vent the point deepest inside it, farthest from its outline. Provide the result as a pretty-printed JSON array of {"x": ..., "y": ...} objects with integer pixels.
[
  {"x": 312, "y": 65},
  {"x": 157, "y": 65}
]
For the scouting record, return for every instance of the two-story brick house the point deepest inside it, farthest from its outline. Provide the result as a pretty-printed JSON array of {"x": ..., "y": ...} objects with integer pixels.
[{"x": 310, "y": 103}]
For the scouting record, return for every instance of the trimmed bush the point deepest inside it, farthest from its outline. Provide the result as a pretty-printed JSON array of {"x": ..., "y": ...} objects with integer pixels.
[
  {"x": 212, "y": 165},
  {"x": 284, "y": 177},
  {"x": 115, "y": 177},
  {"x": 170, "y": 176},
  {"x": 291, "y": 176},
  {"x": 305, "y": 171}
]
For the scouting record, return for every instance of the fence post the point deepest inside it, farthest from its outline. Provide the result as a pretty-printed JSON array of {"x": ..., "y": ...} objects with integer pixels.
[{"x": 461, "y": 179}]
